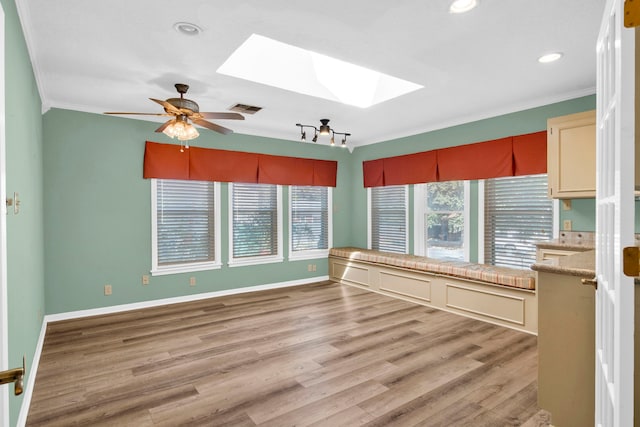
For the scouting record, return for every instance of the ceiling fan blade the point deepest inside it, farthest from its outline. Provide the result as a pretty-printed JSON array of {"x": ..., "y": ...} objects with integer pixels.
[
  {"x": 222, "y": 116},
  {"x": 164, "y": 126},
  {"x": 212, "y": 126},
  {"x": 167, "y": 106},
  {"x": 140, "y": 114}
]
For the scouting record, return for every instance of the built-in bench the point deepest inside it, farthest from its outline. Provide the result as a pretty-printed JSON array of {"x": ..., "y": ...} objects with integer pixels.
[{"x": 501, "y": 295}]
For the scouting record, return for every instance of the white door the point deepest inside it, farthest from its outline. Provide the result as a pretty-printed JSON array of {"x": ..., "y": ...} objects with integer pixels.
[
  {"x": 4, "y": 339},
  {"x": 615, "y": 219}
]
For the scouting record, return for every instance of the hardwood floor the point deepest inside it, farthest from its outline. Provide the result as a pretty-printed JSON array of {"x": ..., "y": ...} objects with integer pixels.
[{"x": 322, "y": 355}]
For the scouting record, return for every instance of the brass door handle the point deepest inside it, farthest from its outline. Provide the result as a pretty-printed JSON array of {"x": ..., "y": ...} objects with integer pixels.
[
  {"x": 593, "y": 282},
  {"x": 15, "y": 376}
]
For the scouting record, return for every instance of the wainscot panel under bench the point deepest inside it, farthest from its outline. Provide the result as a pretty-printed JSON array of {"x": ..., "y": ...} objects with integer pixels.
[{"x": 500, "y": 295}]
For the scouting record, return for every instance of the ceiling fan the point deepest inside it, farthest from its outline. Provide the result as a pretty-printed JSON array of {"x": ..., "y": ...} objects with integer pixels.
[{"x": 183, "y": 110}]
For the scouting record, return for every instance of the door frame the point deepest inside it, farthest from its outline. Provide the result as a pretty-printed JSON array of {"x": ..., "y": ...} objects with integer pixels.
[{"x": 4, "y": 321}]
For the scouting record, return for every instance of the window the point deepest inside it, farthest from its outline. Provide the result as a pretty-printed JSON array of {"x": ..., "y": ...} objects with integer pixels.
[
  {"x": 388, "y": 218},
  {"x": 255, "y": 223},
  {"x": 310, "y": 222},
  {"x": 185, "y": 226},
  {"x": 517, "y": 214},
  {"x": 441, "y": 217}
]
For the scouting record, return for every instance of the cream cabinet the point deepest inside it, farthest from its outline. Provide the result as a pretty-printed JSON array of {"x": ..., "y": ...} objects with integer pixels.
[
  {"x": 545, "y": 254},
  {"x": 566, "y": 342},
  {"x": 571, "y": 155}
]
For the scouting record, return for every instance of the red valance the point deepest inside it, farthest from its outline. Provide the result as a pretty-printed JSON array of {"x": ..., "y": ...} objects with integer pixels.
[
  {"x": 222, "y": 166},
  {"x": 373, "y": 171},
  {"x": 411, "y": 169},
  {"x": 482, "y": 160},
  {"x": 207, "y": 164},
  {"x": 530, "y": 153},
  {"x": 511, "y": 156},
  {"x": 165, "y": 161}
]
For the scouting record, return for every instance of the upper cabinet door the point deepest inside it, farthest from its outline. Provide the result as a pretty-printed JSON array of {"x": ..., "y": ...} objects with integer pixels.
[{"x": 571, "y": 155}]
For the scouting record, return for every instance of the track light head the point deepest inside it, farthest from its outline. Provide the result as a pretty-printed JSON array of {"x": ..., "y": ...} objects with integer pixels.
[
  {"x": 324, "y": 128},
  {"x": 315, "y": 137}
]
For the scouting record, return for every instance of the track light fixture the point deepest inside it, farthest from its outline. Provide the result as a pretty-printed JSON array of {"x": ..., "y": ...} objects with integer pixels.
[{"x": 324, "y": 129}]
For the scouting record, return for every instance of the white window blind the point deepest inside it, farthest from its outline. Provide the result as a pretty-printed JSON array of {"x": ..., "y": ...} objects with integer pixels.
[
  {"x": 309, "y": 218},
  {"x": 254, "y": 220},
  {"x": 185, "y": 222},
  {"x": 388, "y": 217},
  {"x": 517, "y": 215}
]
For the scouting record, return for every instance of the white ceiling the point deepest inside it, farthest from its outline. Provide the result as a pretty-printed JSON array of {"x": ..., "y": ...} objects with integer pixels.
[{"x": 98, "y": 56}]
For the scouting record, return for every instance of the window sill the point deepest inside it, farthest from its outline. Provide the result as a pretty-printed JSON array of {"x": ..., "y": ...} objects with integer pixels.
[
  {"x": 186, "y": 268},
  {"x": 303, "y": 255},
  {"x": 243, "y": 262}
]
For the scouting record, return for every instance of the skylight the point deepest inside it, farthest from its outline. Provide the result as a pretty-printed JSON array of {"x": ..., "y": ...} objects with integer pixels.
[{"x": 270, "y": 62}]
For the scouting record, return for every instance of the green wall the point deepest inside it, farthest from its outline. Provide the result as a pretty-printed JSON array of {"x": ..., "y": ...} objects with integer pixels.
[
  {"x": 25, "y": 248},
  {"x": 98, "y": 213},
  {"x": 583, "y": 215},
  {"x": 532, "y": 120}
]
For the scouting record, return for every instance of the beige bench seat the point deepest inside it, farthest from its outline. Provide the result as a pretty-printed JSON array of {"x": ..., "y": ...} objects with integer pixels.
[
  {"x": 500, "y": 295},
  {"x": 505, "y": 276}
]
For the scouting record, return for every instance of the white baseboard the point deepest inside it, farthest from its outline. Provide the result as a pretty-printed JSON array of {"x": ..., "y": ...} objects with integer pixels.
[
  {"x": 176, "y": 300},
  {"x": 28, "y": 392},
  {"x": 26, "y": 402}
]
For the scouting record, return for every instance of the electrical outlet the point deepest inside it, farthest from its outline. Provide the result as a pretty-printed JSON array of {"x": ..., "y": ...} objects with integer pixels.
[
  {"x": 566, "y": 225},
  {"x": 309, "y": 267},
  {"x": 313, "y": 267},
  {"x": 192, "y": 281},
  {"x": 145, "y": 279},
  {"x": 107, "y": 289}
]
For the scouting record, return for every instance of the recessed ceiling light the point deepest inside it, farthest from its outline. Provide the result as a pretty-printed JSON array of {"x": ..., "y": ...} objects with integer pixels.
[
  {"x": 270, "y": 62},
  {"x": 550, "y": 57},
  {"x": 462, "y": 6},
  {"x": 187, "y": 28}
]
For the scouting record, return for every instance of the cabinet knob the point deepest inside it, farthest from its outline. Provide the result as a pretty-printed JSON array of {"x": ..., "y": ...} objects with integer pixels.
[{"x": 593, "y": 282}]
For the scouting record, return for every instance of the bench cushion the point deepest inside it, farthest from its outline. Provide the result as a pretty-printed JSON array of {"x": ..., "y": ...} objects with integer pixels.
[{"x": 505, "y": 276}]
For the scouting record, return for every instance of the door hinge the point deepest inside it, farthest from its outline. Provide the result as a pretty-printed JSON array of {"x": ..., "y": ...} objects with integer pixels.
[
  {"x": 631, "y": 13},
  {"x": 631, "y": 261}
]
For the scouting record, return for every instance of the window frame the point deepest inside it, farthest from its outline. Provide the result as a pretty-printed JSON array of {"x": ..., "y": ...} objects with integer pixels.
[
  {"x": 419, "y": 211},
  {"x": 256, "y": 260},
  {"x": 369, "y": 216},
  {"x": 314, "y": 253},
  {"x": 160, "y": 270}
]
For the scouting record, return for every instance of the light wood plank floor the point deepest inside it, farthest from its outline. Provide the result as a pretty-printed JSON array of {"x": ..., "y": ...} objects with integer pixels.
[{"x": 322, "y": 354}]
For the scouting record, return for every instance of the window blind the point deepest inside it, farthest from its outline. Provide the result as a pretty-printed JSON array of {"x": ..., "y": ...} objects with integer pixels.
[
  {"x": 185, "y": 221},
  {"x": 517, "y": 215},
  {"x": 309, "y": 218},
  {"x": 389, "y": 218},
  {"x": 254, "y": 220}
]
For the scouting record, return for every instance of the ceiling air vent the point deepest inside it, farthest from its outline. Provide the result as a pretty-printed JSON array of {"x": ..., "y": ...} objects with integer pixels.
[{"x": 246, "y": 109}]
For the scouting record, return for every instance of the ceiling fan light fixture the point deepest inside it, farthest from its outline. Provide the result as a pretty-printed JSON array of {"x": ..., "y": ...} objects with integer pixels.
[
  {"x": 462, "y": 6},
  {"x": 179, "y": 128},
  {"x": 187, "y": 28}
]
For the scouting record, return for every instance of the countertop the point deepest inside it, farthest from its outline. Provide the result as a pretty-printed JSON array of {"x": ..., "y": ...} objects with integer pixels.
[
  {"x": 571, "y": 241},
  {"x": 581, "y": 264}
]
